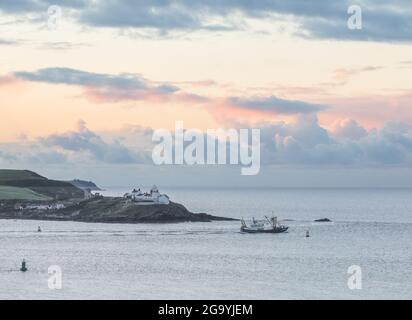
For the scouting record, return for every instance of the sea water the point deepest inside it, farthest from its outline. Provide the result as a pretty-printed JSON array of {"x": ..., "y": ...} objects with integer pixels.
[{"x": 371, "y": 229}]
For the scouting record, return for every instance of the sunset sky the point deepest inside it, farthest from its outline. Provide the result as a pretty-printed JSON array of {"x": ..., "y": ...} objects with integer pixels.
[{"x": 82, "y": 97}]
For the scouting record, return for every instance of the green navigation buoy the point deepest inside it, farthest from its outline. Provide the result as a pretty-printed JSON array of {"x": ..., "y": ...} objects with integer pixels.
[{"x": 23, "y": 266}]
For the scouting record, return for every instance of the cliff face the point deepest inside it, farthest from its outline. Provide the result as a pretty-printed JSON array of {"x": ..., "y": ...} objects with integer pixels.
[
  {"x": 85, "y": 185},
  {"x": 110, "y": 209}
]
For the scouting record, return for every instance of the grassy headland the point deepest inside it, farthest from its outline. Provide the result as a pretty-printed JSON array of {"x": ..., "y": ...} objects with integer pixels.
[{"x": 26, "y": 185}]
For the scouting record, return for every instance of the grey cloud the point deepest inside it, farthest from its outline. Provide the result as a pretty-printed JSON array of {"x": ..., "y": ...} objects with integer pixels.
[
  {"x": 4, "y": 42},
  {"x": 21, "y": 6},
  {"x": 140, "y": 14},
  {"x": 7, "y": 156},
  {"x": 317, "y": 19},
  {"x": 80, "y": 146},
  {"x": 46, "y": 157},
  {"x": 103, "y": 86},
  {"x": 306, "y": 143},
  {"x": 385, "y": 24},
  {"x": 349, "y": 129},
  {"x": 325, "y": 19},
  {"x": 276, "y": 105},
  {"x": 30, "y": 154},
  {"x": 84, "y": 140},
  {"x": 29, "y": 6},
  {"x": 303, "y": 143},
  {"x": 78, "y": 77}
]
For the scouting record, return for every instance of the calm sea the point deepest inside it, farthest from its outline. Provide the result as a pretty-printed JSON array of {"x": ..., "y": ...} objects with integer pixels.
[{"x": 372, "y": 229}]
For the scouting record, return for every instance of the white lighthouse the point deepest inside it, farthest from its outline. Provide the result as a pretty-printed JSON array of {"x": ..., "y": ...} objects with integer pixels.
[{"x": 154, "y": 197}]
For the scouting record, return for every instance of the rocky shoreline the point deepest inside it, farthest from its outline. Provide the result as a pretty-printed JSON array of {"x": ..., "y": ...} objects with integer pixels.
[{"x": 105, "y": 210}]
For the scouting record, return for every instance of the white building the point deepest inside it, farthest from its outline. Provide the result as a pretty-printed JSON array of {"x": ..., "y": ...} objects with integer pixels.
[
  {"x": 88, "y": 193},
  {"x": 42, "y": 207},
  {"x": 154, "y": 197}
]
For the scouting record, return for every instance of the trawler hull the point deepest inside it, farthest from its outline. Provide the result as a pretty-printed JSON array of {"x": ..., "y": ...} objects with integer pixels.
[{"x": 274, "y": 230}]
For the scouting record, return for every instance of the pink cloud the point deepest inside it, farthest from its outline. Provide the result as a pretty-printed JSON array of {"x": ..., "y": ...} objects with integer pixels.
[
  {"x": 7, "y": 81},
  {"x": 370, "y": 111}
]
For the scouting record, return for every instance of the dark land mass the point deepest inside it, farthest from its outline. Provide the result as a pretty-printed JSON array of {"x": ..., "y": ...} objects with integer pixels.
[
  {"x": 27, "y": 195},
  {"x": 107, "y": 209},
  {"x": 54, "y": 189}
]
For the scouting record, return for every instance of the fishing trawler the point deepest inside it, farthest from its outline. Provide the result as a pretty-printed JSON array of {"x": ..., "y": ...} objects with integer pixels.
[{"x": 269, "y": 226}]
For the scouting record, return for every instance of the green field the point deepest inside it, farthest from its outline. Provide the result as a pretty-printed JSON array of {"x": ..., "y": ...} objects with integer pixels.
[{"x": 13, "y": 193}]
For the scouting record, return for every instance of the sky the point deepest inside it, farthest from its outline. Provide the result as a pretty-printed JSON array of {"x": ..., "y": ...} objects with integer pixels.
[{"x": 85, "y": 83}]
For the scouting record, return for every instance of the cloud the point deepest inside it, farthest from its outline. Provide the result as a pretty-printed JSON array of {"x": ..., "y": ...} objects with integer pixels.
[
  {"x": 381, "y": 22},
  {"x": 348, "y": 129},
  {"x": 26, "y": 153},
  {"x": 321, "y": 19},
  {"x": 61, "y": 45},
  {"x": 8, "y": 157},
  {"x": 344, "y": 74},
  {"x": 293, "y": 144},
  {"x": 81, "y": 146},
  {"x": 4, "y": 42},
  {"x": 102, "y": 87},
  {"x": 78, "y": 77},
  {"x": 275, "y": 105},
  {"x": 84, "y": 140},
  {"x": 30, "y": 6},
  {"x": 105, "y": 88},
  {"x": 161, "y": 15},
  {"x": 8, "y": 81},
  {"x": 372, "y": 110},
  {"x": 167, "y": 15},
  {"x": 306, "y": 143},
  {"x": 21, "y": 6}
]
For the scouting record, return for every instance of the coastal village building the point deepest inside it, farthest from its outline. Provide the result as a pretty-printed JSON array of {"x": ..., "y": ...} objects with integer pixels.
[
  {"x": 89, "y": 195},
  {"x": 43, "y": 207}
]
